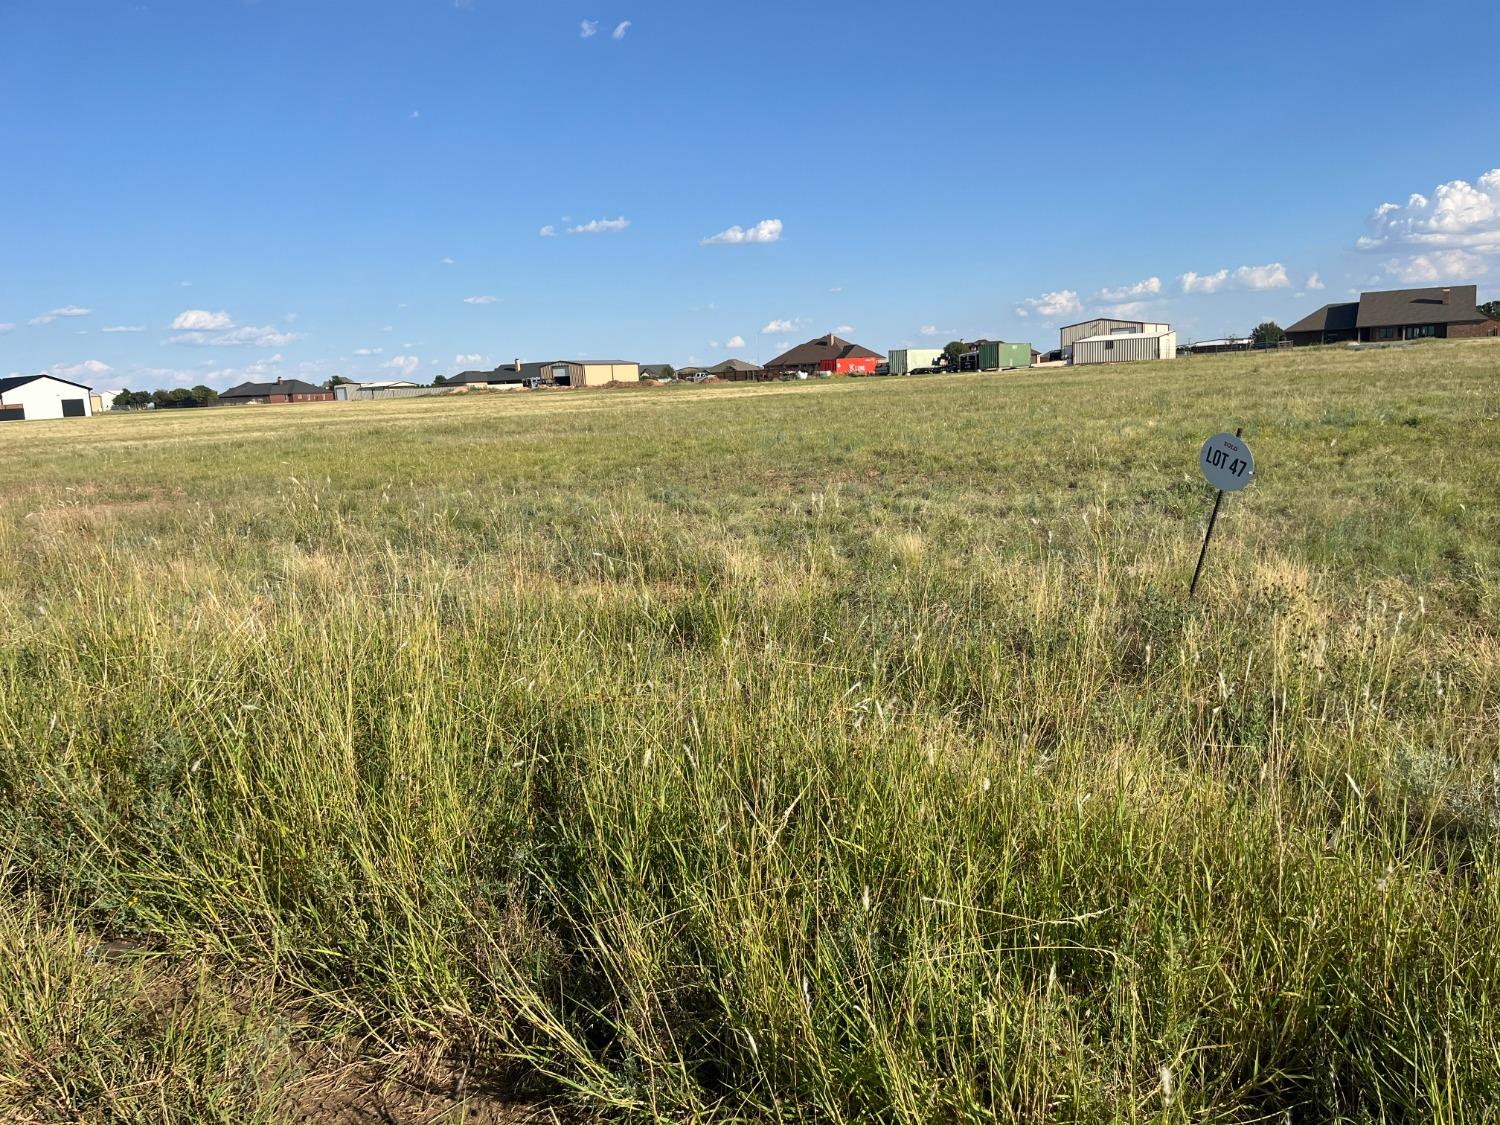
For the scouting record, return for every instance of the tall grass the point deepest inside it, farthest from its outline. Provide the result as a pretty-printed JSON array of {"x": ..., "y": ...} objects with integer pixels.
[{"x": 824, "y": 754}]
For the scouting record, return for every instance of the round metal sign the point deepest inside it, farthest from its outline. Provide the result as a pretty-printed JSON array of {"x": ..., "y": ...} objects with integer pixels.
[{"x": 1227, "y": 462}]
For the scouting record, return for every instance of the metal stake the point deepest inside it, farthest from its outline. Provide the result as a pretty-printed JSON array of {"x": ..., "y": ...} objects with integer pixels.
[{"x": 1212, "y": 520}]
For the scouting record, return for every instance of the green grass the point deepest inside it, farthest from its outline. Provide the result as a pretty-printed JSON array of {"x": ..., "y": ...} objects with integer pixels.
[{"x": 792, "y": 753}]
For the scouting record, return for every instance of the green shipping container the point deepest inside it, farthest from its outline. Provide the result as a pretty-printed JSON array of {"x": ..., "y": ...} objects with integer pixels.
[{"x": 994, "y": 357}]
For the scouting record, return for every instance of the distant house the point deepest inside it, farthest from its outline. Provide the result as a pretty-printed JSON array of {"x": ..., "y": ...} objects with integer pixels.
[
  {"x": 827, "y": 354},
  {"x": 30, "y": 398},
  {"x": 530, "y": 374},
  {"x": 738, "y": 371},
  {"x": 657, "y": 371},
  {"x": 282, "y": 390},
  {"x": 1124, "y": 347},
  {"x": 1397, "y": 314}
]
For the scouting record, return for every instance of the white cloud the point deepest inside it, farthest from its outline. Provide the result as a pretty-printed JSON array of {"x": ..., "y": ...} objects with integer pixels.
[
  {"x": 201, "y": 320},
  {"x": 619, "y": 32},
  {"x": 416, "y": 113},
  {"x": 1458, "y": 216},
  {"x": 66, "y": 310},
  {"x": 4, "y": 328},
  {"x": 763, "y": 232},
  {"x": 87, "y": 367},
  {"x": 735, "y": 342},
  {"x": 1315, "y": 282},
  {"x": 1127, "y": 310},
  {"x": 548, "y": 231},
  {"x": 587, "y": 29},
  {"x": 406, "y": 364},
  {"x": 247, "y": 335},
  {"x": 487, "y": 299},
  {"x": 368, "y": 351},
  {"x": 1062, "y": 302},
  {"x": 836, "y": 289},
  {"x": 446, "y": 262},
  {"x": 472, "y": 360},
  {"x": 600, "y": 226},
  {"x": 1439, "y": 265},
  {"x": 843, "y": 330},
  {"x": 777, "y": 326},
  {"x": 1150, "y": 287},
  {"x": 1272, "y": 276},
  {"x": 123, "y": 328},
  {"x": 929, "y": 330}
]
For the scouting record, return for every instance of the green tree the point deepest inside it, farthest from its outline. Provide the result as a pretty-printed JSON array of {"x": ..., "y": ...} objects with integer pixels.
[
  {"x": 440, "y": 381},
  {"x": 1268, "y": 334},
  {"x": 1490, "y": 309},
  {"x": 668, "y": 371},
  {"x": 204, "y": 396},
  {"x": 955, "y": 348},
  {"x": 336, "y": 381}
]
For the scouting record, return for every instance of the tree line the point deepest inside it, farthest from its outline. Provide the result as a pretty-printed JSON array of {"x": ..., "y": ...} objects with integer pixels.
[{"x": 174, "y": 399}]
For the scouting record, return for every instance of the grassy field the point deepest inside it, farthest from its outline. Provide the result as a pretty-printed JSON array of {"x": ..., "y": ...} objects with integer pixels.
[{"x": 818, "y": 753}]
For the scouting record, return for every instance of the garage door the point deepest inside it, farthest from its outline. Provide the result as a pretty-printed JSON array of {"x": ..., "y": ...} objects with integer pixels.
[{"x": 73, "y": 408}]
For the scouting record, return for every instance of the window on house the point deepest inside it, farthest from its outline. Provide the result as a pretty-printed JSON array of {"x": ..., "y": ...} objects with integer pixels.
[{"x": 1417, "y": 331}]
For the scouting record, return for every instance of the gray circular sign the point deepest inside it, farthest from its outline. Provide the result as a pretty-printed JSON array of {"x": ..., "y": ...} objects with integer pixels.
[{"x": 1227, "y": 462}]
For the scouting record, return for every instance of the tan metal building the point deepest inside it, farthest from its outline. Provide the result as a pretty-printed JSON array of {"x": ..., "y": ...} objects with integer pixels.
[{"x": 590, "y": 372}]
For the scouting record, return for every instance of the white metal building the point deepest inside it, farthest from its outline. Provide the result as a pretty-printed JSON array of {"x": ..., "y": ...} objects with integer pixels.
[
  {"x": 1125, "y": 347},
  {"x": 28, "y": 398},
  {"x": 1070, "y": 334}
]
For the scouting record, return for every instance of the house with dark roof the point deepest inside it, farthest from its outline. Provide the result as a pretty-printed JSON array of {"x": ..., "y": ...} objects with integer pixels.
[
  {"x": 29, "y": 398},
  {"x": 738, "y": 371},
  {"x": 557, "y": 373},
  {"x": 1448, "y": 312},
  {"x": 827, "y": 354},
  {"x": 507, "y": 374},
  {"x": 282, "y": 390}
]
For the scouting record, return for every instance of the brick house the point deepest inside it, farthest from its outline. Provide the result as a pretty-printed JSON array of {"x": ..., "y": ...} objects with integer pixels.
[
  {"x": 283, "y": 390},
  {"x": 827, "y": 354},
  {"x": 1448, "y": 312}
]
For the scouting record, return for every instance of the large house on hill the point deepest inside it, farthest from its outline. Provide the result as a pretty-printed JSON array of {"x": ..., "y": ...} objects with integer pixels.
[
  {"x": 1448, "y": 312},
  {"x": 827, "y": 354}
]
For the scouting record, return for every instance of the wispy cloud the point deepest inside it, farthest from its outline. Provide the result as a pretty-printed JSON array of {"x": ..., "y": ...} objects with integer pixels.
[
  {"x": 844, "y": 330},
  {"x": 600, "y": 226},
  {"x": 201, "y": 320},
  {"x": 246, "y": 336},
  {"x": 1060, "y": 302},
  {"x": 1252, "y": 278},
  {"x": 4, "y": 328},
  {"x": 406, "y": 364},
  {"x": 619, "y": 32},
  {"x": 1315, "y": 282},
  {"x": 55, "y": 314},
  {"x": 487, "y": 299},
  {"x": 368, "y": 351},
  {"x": 735, "y": 342},
  {"x": 763, "y": 232},
  {"x": 446, "y": 262},
  {"x": 123, "y": 328},
  {"x": 548, "y": 231},
  {"x": 473, "y": 359},
  {"x": 779, "y": 326},
  {"x": 587, "y": 29},
  {"x": 89, "y": 368},
  {"x": 1150, "y": 287}
]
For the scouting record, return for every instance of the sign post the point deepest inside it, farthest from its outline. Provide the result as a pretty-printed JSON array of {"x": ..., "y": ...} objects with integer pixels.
[{"x": 1228, "y": 465}]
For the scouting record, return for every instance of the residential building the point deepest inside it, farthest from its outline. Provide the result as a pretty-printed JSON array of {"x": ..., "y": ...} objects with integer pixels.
[
  {"x": 1124, "y": 347},
  {"x": 738, "y": 371},
  {"x": 1445, "y": 312},
  {"x": 557, "y": 373},
  {"x": 282, "y": 390},
  {"x": 827, "y": 354},
  {"x": 657, "y": 371},
  {"x": 31, "y": 398}
]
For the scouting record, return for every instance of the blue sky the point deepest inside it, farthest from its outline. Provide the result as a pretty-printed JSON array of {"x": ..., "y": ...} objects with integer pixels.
[{"x": 213, "y": 190}]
